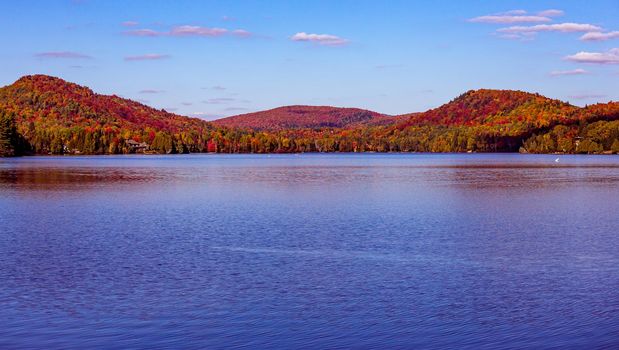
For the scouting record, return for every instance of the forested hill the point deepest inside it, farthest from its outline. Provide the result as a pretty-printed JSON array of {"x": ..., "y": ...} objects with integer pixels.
[
  {"x": 45, "y": 115},
  {"x": 506, "y": 120},
  {"x": 307, "y": 117},
  {"x": 57, "y": 116},
  {"x": 497, "y": 107},
  {"x": 48, "y": 98}
]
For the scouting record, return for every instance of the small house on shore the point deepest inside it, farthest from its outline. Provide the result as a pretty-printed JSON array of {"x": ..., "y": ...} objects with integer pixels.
[{"x": 137, "y": 147}]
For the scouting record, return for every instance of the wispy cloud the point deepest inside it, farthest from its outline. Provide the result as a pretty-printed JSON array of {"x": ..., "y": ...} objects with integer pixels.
[
  {"x": 507, "y": 19},
  {"x": 529, "y": 32},
  {"x": 241, "y": 33},
  {"x": 142, "y": 32},
  {"x": 151, "y": 91},
  {"x": 551, "y": 13},
  {"x": 129, "y": 24},
  {"x": 559, "y": 27},
  {"x": 219, "y": 100},
  {"x": 521, "y": 37},
  {"x": 147, "y": 57},
  {"x": 512, "y": 12},
  {"x": 187, "y": 103},
  {"x": 558, "y": 73},
  {"x": 320, "y": 39},
  {"x": 196, "y": 31},
  {"x": 609, "y": 57},
  {"x": 189, "y": 31},
  {"x": 518, "y": 16},
  {"x": 599, "y": 36},
  {"x": 586, "y": 96},
  {"x": 62, "y": 54}
]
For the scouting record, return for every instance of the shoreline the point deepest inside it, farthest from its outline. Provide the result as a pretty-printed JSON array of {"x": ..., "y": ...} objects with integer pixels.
[{"x": 301, "y": 153}]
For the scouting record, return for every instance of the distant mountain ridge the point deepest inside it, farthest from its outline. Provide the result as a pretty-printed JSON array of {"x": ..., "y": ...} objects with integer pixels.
[{"x": 311, "y": 117}]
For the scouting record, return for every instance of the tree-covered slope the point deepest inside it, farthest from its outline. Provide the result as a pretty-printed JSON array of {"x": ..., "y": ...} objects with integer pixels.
[
  {"x": 514, "y": 110},
  {"x": 595, "y": 129},
  {"x": 55, "y": 102},
  {"x": 47, "y": 115},
  {"x": 51, "y": 114},
  {"x": 306, "y": 117}
]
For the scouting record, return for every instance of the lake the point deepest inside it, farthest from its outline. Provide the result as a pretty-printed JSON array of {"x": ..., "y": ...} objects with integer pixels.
[{"x": 337, "y": 251}]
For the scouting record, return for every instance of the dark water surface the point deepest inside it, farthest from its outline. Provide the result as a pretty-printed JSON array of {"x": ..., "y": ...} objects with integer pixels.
[{"x": 310, "y": 251}]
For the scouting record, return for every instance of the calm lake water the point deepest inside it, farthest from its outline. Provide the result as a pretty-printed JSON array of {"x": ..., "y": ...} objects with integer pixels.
[{"x": 374, "y": 251}]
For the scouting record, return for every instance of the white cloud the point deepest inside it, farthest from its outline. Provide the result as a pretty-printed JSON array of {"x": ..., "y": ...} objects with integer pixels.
[
  {"x": 62, "y": 54},
  {"x": 197, "y": 31},
  {"x": 599, "y": 36},
  {"x": 609, "y": 57},
  {"x": 241, "y": 32},
  {"x": 142, "y": 32},
  {"x": 320, "y": 39},
  {"x": 559, "y": 27},
  {"x": 517, "y": 36},
  {"x": 551, "y": 13},
  {"x": 509, "y": 18},
  {"x": 586, "y": 96},
  {"x": 188, "y": 30},
  {"x": 528, "y": 32},
  {"x": 513, "y": 12},
  {"x": 558, "y": 73},
  {"x": 518, "y": 16},
  {"x": 147, "y": 57}
]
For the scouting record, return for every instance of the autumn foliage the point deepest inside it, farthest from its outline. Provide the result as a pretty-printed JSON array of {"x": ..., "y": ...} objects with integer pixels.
[
  {"x": 306, "y": 117},
  {"x": 497, "y": 107},
  {"x": 52, "y": 116}
]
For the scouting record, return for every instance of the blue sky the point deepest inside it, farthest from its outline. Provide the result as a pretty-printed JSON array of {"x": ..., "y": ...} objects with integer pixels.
[{"x": 217, "y": 58}]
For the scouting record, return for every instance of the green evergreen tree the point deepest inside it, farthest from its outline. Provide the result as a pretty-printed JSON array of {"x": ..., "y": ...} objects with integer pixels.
[{"x": 8, "y": 135}]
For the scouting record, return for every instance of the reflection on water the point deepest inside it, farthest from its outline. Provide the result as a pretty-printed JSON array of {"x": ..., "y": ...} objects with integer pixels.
[
  {"x": 486, "y": 170},
  {"x": 309, "y": 251}
]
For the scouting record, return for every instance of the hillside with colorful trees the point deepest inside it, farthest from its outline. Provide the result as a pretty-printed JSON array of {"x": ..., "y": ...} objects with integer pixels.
[
  {"x": 517, "y": 109},
  {"x": 45, "y": 115},
  {"x": 306, "y": 117},
  {"x": 56, "y": 116},
  {"x": 593, "y": 130}
]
